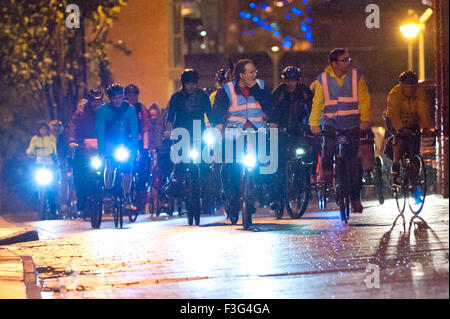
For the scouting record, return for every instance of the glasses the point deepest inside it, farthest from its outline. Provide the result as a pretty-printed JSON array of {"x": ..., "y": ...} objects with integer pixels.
[
  {"x": 345, "y": 60},
  {"x": 252, "y": 72}
]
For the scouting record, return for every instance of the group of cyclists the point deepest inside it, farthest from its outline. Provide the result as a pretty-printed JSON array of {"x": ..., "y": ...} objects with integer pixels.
[{"x": 335, "y": 105}]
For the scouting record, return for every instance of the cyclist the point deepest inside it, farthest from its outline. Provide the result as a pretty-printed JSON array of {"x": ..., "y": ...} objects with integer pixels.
[
  {"x": 188, "y": 104},
  {"x": 243, "y": 103},
  {"x": 292, "y": 106},
  {"x": 407, "y": 111},
  {"x": 42, "y": 148},
  {"x": 293, "y": 100},
  {"x": 116, "y": 124},
  {"x": 248, "y": 90},
  {"x": 341, "y": 102},
  {"x": 142, "y": 160},
  {"x": 82, "y": 140}
]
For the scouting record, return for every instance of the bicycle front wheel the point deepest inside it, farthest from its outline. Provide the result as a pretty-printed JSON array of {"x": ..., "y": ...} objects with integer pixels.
[
  {"x": 298, "y": 194},
  {"x": 246, "y": 215},
  {"x": 417, "y": 184},
  {"x": 94, "y": 206},
  {"x": 400, "y": 198},
  {"x": 43, "y": 204}
]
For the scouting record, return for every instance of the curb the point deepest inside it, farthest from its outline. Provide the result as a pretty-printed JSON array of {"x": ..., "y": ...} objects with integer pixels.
[
  {"x": 11, "y": 233},
  {"x": 30, "y": 278},
  {"x": 20, "y": 236}
]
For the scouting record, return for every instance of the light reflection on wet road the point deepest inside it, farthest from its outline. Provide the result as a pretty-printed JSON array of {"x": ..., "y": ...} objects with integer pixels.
[{"x": 313, "y": 257}]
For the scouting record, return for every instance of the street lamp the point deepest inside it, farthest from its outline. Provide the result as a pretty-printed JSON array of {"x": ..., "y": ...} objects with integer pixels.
[
  {"x": 275, "y": 55},
  {"x": 410, "y": 30}
]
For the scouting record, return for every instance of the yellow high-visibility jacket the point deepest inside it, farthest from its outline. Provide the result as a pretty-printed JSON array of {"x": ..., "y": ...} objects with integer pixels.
[
  {"x": 408, "y": 112},
  {"x": 318, "y": 104}
]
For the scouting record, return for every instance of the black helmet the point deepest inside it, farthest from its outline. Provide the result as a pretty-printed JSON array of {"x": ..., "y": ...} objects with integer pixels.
[
  {"x": 94, "y": 95},
  {"x": 221, "y": 75},
  {"x": 114, "y": 89},
  {"x": 131, "y": 89},
  {"x": 189, "y": 76},
  {"x": 291, "y": 73},
  {"x": 408, "y": 77}
]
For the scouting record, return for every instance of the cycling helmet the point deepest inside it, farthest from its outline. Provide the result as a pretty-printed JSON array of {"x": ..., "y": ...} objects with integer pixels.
[
  {"x": 114, "y": 89},
  {"x": 131, "y": 89},
  {"x": 291, "y": 73},
  {"x": 189, "y": 76},
  {"x": 94, "y": 95},
  {"x": 408, "y": 77}
]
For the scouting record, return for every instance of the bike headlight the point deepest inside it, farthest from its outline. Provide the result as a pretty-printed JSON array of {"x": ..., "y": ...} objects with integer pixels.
[
  {"x": 194, "y": 154},
  {"x": 300, "y": 152},
  {"x": 250, "y": 160},
  {"x": 96, "y": 162},
  {"x": 43, "y": 176},
  {"x": 121, "y": 154},
  {"x": 209, "y": 139}
]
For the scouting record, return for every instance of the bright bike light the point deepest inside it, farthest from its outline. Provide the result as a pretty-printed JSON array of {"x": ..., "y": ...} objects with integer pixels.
[
  {"x": 250, "y": 161},
  {"x": 209, "y": 139},
  {"x": 194, "y": 154},
  {"x": 43, "y": 176},
  {"x": 121, "y": 154},
  {"x": 96, "y": 162},
  {"x": 300, "y": 152}
]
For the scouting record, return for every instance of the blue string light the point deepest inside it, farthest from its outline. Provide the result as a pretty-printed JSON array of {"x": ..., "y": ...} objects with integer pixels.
[{"x": 306, "y": 30}]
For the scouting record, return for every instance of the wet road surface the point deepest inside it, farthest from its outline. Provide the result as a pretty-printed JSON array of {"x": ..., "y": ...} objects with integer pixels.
[{"x": 380, "y": 254}]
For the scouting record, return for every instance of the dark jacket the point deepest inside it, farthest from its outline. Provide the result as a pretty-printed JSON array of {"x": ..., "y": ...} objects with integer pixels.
[
  {"x": 82, "y": 125},
  {"x": 291, "y": 109},
  {"x": 184, "y": 108}
]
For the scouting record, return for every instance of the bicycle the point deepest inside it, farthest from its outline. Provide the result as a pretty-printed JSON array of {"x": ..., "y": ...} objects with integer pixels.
[
  {"x": 241, "y": 199},
  {"x": 411, "y": 183},
  {"x": 296, "y": 190},
  {"x": 44, "y": 178},
  {"x": 342, "y": 184},
  {"x": 94, "y": 201},
  {"x": 184, "y": 185},
  {"x": 122, "y": 156}
]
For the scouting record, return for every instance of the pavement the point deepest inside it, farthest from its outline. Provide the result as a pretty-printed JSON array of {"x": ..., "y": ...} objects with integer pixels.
[{"x": 18, "y": 276}]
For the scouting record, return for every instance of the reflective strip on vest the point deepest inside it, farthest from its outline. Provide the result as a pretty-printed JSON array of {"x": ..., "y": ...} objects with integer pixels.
[
  {"x": 246, "y": 111},
  {"x": 342, "y": 113},
  {"x": 326, "y": 92}
]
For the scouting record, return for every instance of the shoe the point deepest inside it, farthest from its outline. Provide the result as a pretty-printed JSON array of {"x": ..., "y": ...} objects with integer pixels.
[{"x": 357, "y": 207}]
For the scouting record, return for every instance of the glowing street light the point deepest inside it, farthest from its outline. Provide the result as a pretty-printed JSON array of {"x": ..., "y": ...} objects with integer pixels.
[{"x": 410, "y": 30}]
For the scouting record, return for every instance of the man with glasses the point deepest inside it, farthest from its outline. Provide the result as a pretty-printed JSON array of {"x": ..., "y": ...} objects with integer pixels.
[
  {"x": 242, "y": 103},
  {"x": 341, "y": 102}
]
